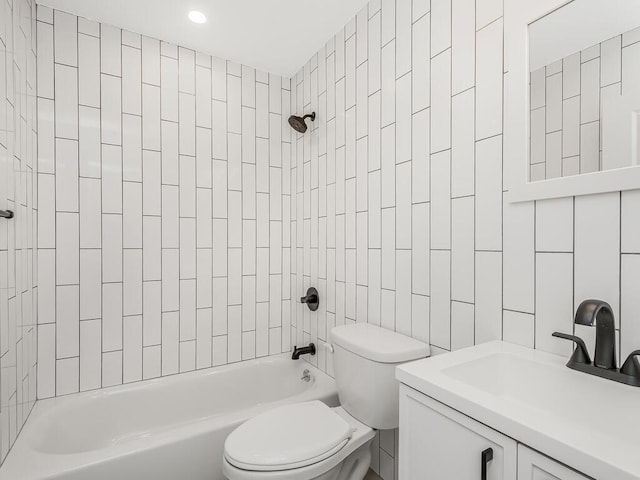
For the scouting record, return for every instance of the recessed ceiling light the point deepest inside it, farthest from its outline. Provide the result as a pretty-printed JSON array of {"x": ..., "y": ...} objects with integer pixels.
[{"x": 197, "y": 17}]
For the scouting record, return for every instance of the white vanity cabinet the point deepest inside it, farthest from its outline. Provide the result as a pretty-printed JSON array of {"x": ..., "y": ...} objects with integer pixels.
[
  {"x": 439, "y": 443},
  {"x": 535, "y": 466}
]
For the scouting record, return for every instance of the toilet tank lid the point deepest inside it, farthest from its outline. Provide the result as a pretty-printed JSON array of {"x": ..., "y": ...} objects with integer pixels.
[{"x": 378, "y": 344}]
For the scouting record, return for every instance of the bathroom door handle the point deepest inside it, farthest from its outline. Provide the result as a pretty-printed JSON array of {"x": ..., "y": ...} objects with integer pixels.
[{"x": 486, "y": 456}]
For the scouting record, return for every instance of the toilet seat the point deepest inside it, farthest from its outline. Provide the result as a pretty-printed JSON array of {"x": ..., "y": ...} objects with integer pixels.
[
  {"x": 289, "y": 437},
  {"x": 360, "y": 438}
]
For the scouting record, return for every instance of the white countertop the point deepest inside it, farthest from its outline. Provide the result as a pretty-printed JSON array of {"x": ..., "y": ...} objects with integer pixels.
[{"x": 588, "y": 423}]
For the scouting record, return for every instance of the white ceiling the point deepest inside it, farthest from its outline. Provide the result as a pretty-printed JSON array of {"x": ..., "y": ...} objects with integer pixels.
[{"x": 276, "y": 36}]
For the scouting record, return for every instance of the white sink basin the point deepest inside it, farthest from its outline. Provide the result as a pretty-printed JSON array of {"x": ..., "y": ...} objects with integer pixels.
[{"x": 589, "y": 423}]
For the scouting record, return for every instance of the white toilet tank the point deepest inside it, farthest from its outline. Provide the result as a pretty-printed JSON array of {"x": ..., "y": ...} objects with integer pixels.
[{"x": 364, "y": 360}]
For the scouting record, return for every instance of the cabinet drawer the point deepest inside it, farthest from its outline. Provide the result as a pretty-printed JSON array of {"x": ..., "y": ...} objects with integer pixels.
[
  {"x": 438, "y": 443},
  {"x": 535, "y": 466}
]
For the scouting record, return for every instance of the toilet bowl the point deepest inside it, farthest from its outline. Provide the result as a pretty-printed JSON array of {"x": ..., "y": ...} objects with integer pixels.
[
  {"x": 310, "y": 441},
  {"x": 305, "y": 441}
]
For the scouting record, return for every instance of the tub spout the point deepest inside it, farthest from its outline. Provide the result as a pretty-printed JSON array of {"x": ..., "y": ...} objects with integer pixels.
[{"x": 303, "y": 351}]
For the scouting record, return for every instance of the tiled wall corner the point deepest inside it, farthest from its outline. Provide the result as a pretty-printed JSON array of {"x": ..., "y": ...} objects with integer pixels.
[
  {"x": 18, "y": 192},
  {"x": 179, "y": 215},
  {"x": 399, "y": 217}
]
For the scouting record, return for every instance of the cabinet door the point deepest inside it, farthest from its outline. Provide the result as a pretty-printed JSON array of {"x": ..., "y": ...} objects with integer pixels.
[
  {"x": 438, "y": 443},
  {"x": 535, "y": 466}
]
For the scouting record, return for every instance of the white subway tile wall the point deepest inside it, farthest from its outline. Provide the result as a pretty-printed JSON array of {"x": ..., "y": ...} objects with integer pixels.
[
  {"x": 18, "y": 193},
  {"x": 165, "y": 211},
  {"x": 179, "y": 215},
  {"x": 398, "y": 216}
]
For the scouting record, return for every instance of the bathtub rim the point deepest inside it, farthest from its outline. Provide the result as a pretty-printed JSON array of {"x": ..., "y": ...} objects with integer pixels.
[{"x": 24, "y": 460}]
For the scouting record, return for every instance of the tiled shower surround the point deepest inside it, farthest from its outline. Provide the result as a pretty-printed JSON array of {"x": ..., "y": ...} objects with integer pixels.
[
  {"x": 179, "y": 217},
  {"x": 18, "y": 147},
  {"x": 400, "y": 217},
  {"x": 164, "y": 209}
]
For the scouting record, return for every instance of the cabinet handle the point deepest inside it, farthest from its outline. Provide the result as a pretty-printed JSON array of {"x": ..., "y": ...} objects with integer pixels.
[{"x": 487, "y": 456}]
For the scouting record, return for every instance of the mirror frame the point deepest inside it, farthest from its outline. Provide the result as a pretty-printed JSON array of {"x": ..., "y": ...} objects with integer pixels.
[{"x": 518, "y": 16}]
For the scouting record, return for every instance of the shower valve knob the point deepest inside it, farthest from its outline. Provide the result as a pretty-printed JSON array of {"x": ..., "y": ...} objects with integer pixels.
[{"x": 311, "y": 299}]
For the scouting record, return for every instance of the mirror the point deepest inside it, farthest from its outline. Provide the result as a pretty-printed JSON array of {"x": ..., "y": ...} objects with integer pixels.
[{"x": 584, "y": 89}]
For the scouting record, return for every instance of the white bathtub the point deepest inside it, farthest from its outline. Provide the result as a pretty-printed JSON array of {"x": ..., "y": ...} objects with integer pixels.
[{"x": 171, "y": 428}]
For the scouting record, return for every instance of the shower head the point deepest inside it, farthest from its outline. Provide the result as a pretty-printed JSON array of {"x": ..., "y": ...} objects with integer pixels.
[{"x": 299, "y": 124}]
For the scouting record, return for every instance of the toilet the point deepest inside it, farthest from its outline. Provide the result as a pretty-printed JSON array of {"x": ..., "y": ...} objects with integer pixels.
[{"x": 311, "y": 441}]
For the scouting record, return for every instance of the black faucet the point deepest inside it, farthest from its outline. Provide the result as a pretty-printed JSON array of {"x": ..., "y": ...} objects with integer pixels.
[
  {"x": 600, "y": 314},
  {"x": 303, "y": 351},
  {"x": 597, "y": 312}
]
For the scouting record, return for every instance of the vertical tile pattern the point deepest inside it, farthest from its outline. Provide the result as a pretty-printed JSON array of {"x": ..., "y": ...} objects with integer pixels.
[
  {"x": 573, "y": 101},
  {"x": 200, "y": 221},
  {"x": 19, "y": 342},
  {"x": 447, "y": 260},
  {"x": 158, "y": 163}
]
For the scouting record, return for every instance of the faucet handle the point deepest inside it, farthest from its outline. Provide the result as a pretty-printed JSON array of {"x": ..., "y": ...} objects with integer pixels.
[
  {"x": 311, "y": 299},
  {"x": 631, "y": 366},
  {"x": 580, "y": 354}
]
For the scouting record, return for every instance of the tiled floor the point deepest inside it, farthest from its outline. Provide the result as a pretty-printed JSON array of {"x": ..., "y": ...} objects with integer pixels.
[{"x": 372, "y": 476}]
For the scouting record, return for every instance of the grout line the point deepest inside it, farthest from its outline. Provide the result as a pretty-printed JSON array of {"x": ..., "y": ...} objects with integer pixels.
[{"x": 299, "y": 253}]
